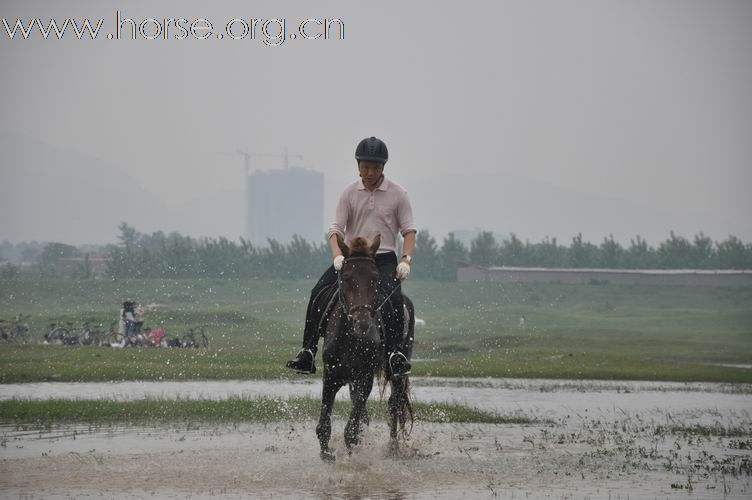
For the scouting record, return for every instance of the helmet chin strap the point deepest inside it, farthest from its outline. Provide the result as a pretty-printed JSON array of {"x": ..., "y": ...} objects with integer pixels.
[{"x": 379, "y": 181}]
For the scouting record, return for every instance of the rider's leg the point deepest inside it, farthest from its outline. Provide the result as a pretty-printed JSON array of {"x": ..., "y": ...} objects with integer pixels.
[
  {"x": 316, "y": 309},
  {"x": 392, "y": 313},
  {"x": 303, "y": 361}
]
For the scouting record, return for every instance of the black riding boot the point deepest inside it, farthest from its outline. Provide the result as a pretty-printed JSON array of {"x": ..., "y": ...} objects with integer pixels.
[
  {"x": 394, "y": 319},
  {"x": 304, "y": 360}
]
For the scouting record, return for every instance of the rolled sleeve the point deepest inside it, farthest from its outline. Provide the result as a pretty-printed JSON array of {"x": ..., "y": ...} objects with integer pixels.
[
  {"x": 340, "y": 217},
  {"x": 405, "y": 216}
]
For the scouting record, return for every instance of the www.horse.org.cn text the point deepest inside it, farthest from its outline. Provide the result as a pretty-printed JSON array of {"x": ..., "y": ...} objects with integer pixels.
[{"x": 272, "y": 32}]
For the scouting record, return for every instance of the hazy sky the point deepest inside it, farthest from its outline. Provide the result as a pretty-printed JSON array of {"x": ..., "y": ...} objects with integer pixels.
[{"x": 537, "y": 117}]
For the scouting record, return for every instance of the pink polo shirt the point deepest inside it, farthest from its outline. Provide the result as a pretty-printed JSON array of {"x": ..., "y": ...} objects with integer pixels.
[{"x": 384, "y": 211}]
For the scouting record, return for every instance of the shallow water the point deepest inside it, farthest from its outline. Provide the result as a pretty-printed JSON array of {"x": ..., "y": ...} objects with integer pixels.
[
  {"x": 599, "y": 440},
  {"x": 281, "y": 461}
]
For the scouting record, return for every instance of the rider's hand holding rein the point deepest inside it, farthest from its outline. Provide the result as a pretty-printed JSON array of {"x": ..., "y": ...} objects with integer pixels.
[
  {"x": 403, "y": 268},
  {"x": 338, "y": 260}
]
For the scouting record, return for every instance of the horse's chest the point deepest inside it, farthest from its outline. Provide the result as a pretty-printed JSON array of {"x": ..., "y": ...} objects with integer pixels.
[{"x": 354, "y": 358}]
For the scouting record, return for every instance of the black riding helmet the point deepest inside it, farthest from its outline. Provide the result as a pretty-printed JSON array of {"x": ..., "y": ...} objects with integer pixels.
[{"x": 372, "y": 149}]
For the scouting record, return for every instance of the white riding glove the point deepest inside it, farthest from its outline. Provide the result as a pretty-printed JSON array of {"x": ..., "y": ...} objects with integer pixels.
[
  {"x": 403, "y": 270},
  {"x": 338, "y": 260}
]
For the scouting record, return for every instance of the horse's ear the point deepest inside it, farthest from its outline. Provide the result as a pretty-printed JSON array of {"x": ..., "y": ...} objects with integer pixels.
[
  {"x": 376, "y": 244},
  {"x": 342, "y": 246}
]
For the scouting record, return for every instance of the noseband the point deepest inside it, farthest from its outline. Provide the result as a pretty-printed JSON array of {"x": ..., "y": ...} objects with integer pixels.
[{"x": 342, "y": 301}]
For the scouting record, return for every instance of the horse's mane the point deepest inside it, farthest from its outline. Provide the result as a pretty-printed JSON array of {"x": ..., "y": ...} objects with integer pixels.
[{"x": 359, "y": 247}]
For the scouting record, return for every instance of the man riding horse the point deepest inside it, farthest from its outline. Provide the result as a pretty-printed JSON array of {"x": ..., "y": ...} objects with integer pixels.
[{"x": 368, "y": 207}]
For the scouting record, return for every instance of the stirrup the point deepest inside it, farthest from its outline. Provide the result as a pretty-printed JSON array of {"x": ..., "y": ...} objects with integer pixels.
[{"x": 400, "y": 360}]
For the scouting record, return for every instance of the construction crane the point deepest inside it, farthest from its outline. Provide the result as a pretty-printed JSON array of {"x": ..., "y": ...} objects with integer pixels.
[{"x": 247, "y": 157}]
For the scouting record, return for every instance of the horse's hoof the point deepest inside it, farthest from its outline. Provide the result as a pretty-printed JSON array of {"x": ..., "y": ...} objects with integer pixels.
[{"x": 328, "y": 456}]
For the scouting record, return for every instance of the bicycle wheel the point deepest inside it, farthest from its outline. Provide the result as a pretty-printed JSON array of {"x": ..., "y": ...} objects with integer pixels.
[
  {"x": 58, "y": 335},
  {"x": 116, "y": 339},
  {"x": 86, "y": 338},
  {"x": 72, "y": 339},
  {"x": 94, "y": 337}
]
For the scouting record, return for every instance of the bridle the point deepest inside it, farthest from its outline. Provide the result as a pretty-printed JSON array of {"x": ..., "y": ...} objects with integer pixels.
[
  {"x": 340, "y": 293},
  {"x": 342, "y": 300}
]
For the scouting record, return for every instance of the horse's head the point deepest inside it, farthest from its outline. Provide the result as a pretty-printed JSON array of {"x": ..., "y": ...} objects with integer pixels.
[{"x": 359, "y": 279}]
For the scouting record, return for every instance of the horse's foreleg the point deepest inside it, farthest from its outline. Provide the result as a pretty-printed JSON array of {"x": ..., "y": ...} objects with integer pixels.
[
  {"x": 395, "y": 411},
  {"x": 359, "y": 392},
  {"x": 324, "y": 427}
]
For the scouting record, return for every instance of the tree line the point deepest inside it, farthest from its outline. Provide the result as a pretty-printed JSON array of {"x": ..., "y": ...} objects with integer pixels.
[
  {"x": 177, "y": 256},
  {"x": 160, "y": 255},
  {"x": 676, "y": 252}
]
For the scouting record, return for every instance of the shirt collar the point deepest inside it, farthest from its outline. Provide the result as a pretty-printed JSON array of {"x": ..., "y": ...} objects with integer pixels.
[{"x": 384, "y": 186}]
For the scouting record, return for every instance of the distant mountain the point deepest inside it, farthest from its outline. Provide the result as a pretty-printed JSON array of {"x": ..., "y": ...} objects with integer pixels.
[{"x": 53, "y": 194}]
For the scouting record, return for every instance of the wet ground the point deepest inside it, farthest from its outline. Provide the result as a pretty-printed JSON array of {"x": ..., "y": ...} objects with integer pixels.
[{"x": 600, "y": 440}]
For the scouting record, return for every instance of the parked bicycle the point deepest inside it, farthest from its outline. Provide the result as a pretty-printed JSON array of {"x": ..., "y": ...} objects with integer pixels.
[
  {"x": 93, "y": 335},
  {"x": 61, "y": 333},
  {"x": 194, "y": 337}
]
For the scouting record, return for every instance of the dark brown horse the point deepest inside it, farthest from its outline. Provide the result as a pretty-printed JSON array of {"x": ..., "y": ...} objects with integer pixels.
[{"x": 353, "y": 350}]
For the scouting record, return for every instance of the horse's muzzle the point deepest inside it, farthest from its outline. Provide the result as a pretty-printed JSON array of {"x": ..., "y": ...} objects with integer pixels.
[
  {"x": 362, "y": 325},
  {"x": 363, "y": 318}
]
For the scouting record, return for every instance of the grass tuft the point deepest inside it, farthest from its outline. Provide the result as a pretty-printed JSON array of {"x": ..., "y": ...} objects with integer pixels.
[{"x": 51, "y": 412}]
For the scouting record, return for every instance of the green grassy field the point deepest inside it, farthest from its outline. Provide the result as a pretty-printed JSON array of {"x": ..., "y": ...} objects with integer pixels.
[{"x": 472, "y": 330}]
